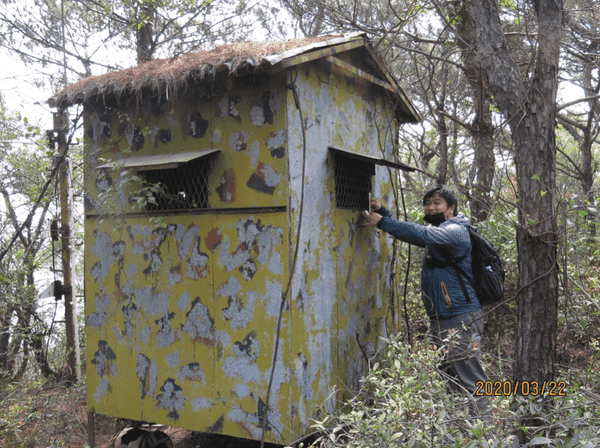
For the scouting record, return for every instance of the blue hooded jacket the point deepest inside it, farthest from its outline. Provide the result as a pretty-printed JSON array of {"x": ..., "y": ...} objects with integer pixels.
[{"x": 452, "y": 236}]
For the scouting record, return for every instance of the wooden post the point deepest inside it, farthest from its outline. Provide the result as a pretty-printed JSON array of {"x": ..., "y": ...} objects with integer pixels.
[
  {"x": 91, "y": 431},
  {"x": 61, "y": 127}
]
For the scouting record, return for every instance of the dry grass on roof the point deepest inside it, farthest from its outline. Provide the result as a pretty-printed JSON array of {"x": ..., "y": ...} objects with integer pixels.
[{"x": 175, "y": 72}]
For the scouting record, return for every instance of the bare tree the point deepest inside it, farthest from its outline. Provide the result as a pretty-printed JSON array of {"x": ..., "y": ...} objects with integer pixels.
[{"x": 581, "y": 117}]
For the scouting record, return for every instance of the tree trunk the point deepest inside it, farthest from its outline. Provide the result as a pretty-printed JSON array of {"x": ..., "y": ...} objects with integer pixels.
[
  {"x": 484, "y": 163},
  {"x": 442, "y": 127},
  {"x": 5, "y": 318},
  {"x": 531, "y": 115},
  {"x": 144, "y": 34}
]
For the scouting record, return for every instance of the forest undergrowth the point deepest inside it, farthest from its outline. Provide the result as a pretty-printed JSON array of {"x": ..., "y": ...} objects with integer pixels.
[{"x": 403, "y": 402}]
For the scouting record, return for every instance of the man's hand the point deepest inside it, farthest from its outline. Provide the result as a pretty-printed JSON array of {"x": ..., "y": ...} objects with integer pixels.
[
  {"x": 375, "y": 204},
  {"x": 370, "y": 219}
]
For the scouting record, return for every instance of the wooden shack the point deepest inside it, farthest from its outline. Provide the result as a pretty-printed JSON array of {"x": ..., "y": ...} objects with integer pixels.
[{"x": 228, "y": 286}]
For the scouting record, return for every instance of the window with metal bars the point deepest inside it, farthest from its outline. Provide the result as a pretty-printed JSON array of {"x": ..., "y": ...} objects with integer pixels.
[
  {"x": 352, "y": 178},
  {"x": 181, "y": 188}
]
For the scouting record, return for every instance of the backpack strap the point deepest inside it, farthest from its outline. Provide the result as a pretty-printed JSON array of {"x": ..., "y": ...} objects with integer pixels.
[{"x": 453, "y": 262}]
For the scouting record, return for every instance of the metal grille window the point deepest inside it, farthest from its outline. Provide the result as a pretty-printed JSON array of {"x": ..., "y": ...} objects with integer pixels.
[
  {"x": 352, "y": 177},
  {"x": 180, "y": 188},
  {"x": 177, "y": 181}
]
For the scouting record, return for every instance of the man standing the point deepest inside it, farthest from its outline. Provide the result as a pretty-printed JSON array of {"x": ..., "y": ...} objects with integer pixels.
[{"x": 451, "y": 304}]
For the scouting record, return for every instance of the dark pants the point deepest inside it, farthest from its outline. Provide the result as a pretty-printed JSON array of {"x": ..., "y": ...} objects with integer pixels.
[{"x": 461, "y": 337}]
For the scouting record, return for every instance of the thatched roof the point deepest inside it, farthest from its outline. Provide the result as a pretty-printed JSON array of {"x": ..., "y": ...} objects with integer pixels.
[
  {"x": 167, "y": 76},
  {"x": 161, "y": 74}
]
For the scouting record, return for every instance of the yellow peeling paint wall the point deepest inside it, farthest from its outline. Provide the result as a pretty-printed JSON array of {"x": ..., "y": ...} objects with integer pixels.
[
  {"x": 181, "y": 308},
  {"x": 340, "y": 299}
]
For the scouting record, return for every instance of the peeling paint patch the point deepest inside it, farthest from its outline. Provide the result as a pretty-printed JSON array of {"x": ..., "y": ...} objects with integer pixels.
[
  {"x": 153, "y": 133},
  {"x": 254, "y": 153},
  {"x": 252, "y": 235},
  {"x": 147, "y": 373},
  {"x": 101, "y": 389},
  {"x": 267, "y": 111},
  {"x": 227, "y": 107},
  {"x": 237, "y": 313},
  {"x": 247, "y": 350},
  {"x": 104, "y": 360},
  {"x": 372, "y": 265},
  {"x": 230, "y": 288},
  {"x": 277, "y": 139},
  {"x": 226, "y": 189},
  {"x": 201, "y": 403},
  {"x": 272, "y": 298},
  {"x": 199, "y": 324},
  {"x": 145, "y": 335},
  {"x": 274, "y": 104},
  {"x": 278, "y": 153},
  {"x": 248, "y": 269},
  {"x": 96, "y": 319},
  {"x": 175, "y": 275},
  {"x": 155, "y": 262},
  {"x": 151, "y": 303},
  {"x": 218, "y": 426},
  {"x": 147, "y": 241},
  {"x": 213, "y": 239},
  {"x": 135, "y": 138},
  {"x": 238, "y": 141},
  {"x": 242, "y": 390},
  {"x": 166, "y": 335},
  {"x": 304, "y": 377},
  {"x": 242, "y": 369},
  {"x": 129, "y": 312},
  {"x": 265, "y": 179},
  {"x": 183, "y": 301},
  {"x": 164, "y": 136},
  {"x": 235, "y": 259},
  {"x": 249, "y": 423},
  {"x": 275, "y": 265},
  {"x": 257, "y": 116},
  {"x": 101, "y": 127},
  {"x": 266, "y": 241},
  {"x": 198, "y": 125},
  {"x": 118, "y": 334},
  {"x": 192, "y": 372},
  {"x": 185, "y": 239},
  {"x": 103, "y": 182},
  {"x": 197, "y": 264},
  {"x": 171, "y": 398},
  {"x": 106, "y": 252}
]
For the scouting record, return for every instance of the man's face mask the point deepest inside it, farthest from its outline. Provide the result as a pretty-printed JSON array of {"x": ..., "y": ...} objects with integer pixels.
[{"x": 435, "y": 219}]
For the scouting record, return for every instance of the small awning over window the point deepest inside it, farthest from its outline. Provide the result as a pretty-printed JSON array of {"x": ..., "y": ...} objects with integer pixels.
[
  {"x": 375, "y": 160},
  {"x": 158, "y": 161}
]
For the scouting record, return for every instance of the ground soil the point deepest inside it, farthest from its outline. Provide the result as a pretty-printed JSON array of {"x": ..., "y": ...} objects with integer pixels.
[{"x": 56, "y": 415}]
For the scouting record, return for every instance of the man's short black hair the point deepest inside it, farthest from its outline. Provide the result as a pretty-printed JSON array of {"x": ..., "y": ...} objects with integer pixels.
[{"x": 445, "y": 192}]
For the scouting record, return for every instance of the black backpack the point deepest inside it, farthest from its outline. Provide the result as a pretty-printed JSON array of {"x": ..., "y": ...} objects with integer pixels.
[{"x": 488, "y": 270}]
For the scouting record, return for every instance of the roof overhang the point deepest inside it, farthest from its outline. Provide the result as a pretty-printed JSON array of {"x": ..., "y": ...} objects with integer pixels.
[
  {"x": 157, "y": 161},
  {"x": 373, "y": 160}
]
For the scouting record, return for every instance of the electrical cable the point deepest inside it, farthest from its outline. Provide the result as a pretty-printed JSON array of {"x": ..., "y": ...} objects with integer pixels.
[{"x": 408, "y": 332}]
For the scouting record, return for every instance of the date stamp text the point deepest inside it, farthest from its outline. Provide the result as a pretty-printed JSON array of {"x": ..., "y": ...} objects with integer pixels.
[{"x": 524, "y": 388}]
